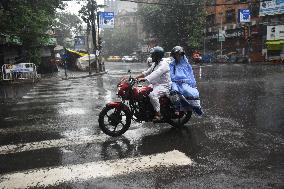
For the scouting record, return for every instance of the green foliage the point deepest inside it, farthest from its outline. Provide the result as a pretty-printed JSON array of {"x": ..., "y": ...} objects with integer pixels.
[
  {"x": 29, "y": 20},
  {"x": 175, "y": 24},
  {"x": 88, "y": 14},
  {"x": 68, "y": 24},
  {"x": 120, "y": 41}
]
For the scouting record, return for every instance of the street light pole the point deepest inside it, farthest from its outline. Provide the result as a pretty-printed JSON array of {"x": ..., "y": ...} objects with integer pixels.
[{"x": 221, "y": 30}]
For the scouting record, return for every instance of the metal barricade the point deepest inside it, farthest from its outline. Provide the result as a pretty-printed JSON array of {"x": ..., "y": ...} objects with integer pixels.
[
  {"x": 6, "y": 70},
  {"x": 21, "y": 71}
]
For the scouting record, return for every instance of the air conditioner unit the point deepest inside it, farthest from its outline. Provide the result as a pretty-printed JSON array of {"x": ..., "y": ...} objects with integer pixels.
[{"x": 253, "y": 22}]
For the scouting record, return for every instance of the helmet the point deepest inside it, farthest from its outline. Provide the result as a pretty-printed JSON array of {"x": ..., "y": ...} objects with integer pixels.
[
  {"x": 157, "y": 52},
  {"x": 177, "y": 49}
]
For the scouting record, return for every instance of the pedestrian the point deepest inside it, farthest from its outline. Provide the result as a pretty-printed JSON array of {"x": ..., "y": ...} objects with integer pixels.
[
  {"x": 158, "y": 76},
  {"x": 183, "y": 82}
]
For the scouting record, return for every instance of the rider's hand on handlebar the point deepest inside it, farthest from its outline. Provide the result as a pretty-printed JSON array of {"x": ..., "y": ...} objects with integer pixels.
[{"x": 141, "y": 79}]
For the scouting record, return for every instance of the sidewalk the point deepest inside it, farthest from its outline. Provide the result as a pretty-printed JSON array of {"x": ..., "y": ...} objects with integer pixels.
[{"x": 77, "y": 74}]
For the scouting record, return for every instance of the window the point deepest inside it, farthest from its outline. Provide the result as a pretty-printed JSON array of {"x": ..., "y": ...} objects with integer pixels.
[
  {"x": 254, "y": 10},
  {"x": 230, "y": 16},
  {"x": 210, "y": 20}
]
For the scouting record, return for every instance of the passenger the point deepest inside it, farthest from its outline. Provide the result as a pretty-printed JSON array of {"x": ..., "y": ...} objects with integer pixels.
[
  {"x": 183, "y": 81},
  {"x": 158, "y": 75}
]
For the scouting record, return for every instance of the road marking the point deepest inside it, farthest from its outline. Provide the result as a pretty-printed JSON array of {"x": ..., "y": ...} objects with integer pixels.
[
  {"x": 82, "y": 172},
  {"x": 23, "y": 147}
]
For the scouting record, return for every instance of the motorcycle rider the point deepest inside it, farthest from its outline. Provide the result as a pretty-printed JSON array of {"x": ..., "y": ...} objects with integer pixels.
[
  {"x": 183, "y": 80},
  {"x": 157, "y": 75}
]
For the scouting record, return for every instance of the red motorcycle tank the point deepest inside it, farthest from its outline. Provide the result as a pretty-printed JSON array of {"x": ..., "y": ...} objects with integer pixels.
[
  {"x": 123, "y": 90},
  {"x": 141, "y": 91}
]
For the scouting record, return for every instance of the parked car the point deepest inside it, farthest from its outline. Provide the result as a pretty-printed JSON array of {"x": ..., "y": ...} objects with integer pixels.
[
  {"x": 129, "y": 59},
  {"x": 114, "y": 59},
  {"x": 222, "y": 58}
]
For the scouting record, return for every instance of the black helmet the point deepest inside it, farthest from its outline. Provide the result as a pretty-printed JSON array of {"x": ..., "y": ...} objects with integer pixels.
[
  {"x": 158, "y": 52},
  {"x": 177, "y": 49}
]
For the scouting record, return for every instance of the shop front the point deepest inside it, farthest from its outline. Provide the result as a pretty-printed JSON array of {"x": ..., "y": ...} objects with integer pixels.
[{"x": 275, "y": 43}]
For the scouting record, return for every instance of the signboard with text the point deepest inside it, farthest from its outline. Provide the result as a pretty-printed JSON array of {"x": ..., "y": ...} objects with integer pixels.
[
  {"x": 271, "y": 7},
  {"x": 275, "y": 32},
  {"x": 80, "y": 43},
  {"x": 244, "y": 15},
  {"x": 221, "y": 35},
  {"x": 106, "y": 19}
]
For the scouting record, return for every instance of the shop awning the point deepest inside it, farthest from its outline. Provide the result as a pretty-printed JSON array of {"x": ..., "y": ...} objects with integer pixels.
[{"x": 275, "y": 44}]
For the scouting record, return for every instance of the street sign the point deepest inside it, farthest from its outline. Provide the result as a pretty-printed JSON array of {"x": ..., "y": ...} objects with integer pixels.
[
  {"x": 106, "y": 19},
  {"x": 244, "y": 15},
  {"x": 221, "y": 35},
  {"x": 80, "y": 43}
]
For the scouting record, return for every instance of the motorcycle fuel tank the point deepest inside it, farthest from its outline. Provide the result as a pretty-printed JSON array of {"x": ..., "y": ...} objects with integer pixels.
[{"x": 141, "y": 91}]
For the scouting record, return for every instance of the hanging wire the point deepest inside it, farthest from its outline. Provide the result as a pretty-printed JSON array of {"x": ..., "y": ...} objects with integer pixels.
[{"x": 193, "y": 4}]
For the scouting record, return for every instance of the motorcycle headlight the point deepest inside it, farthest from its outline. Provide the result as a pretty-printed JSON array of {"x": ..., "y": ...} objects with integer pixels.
[{"x": 118, "y": 89}]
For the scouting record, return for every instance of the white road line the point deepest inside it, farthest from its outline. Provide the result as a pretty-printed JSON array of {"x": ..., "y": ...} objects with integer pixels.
[
  {"x": 82, "y": 172},
  {"x": 15, "y": 148}
]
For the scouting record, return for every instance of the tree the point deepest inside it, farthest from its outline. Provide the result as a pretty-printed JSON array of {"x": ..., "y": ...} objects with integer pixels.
[
  {"x": 175, "y": 24},
  {"x": 68, "y": 24},
  {"x": 120, "y": 41},
  {"x": 88, "y": 14},
  {"x": 29, "y": 20}
]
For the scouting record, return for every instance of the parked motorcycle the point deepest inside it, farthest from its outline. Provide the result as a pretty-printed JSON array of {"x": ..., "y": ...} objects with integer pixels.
[
  {"x": 196, "y": 57},
  {"x": 115, "y": 118}
]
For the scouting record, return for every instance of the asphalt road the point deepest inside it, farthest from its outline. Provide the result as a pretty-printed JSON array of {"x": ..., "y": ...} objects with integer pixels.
[{"x": 49, "y": 135}]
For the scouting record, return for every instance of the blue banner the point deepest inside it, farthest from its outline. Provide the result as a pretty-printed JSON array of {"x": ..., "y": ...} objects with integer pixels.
[
  {"x": 244, "y": 15},
  {"x": 106, "y": 19}
]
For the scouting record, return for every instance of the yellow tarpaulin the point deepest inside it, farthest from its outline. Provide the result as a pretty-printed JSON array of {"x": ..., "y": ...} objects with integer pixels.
[{"x": 81, "y": 54}]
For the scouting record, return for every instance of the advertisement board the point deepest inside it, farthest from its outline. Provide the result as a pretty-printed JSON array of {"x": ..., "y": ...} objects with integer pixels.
[
  {"x": 271, "y": 7},
  {"x": 275, "y": 32}
]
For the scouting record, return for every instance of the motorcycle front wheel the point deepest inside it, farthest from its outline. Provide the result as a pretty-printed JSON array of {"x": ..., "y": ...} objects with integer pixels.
[
  {"x": 179, "y": 121},
  {"x": 114, "y": 122}
]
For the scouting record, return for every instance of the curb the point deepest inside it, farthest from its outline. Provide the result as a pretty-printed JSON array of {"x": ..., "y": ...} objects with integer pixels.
[{"x": 85, "y": 76}]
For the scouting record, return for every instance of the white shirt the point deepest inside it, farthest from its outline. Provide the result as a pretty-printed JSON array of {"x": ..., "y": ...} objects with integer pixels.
[{"x": 160, "y": 74}]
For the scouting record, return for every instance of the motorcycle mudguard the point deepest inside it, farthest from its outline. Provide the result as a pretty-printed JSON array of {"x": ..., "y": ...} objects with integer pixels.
[{"x": 118, "y": 105}]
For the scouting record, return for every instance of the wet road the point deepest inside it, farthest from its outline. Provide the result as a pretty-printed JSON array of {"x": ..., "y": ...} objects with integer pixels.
[{"x": 49, "y": 134}]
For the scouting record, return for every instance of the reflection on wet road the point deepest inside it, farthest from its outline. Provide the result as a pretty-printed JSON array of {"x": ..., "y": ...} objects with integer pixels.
[{"x": 239, "y": 143}]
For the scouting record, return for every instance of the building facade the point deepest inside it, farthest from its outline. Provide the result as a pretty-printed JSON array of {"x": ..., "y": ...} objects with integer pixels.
[
  {"x": 244, "y": 39},
  {"x": 272, "y": 18}
]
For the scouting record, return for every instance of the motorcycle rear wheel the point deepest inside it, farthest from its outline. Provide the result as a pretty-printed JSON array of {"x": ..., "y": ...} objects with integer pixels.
[
  {"x": 179, "y": 122},
  {"x": 114, "y": 122}
]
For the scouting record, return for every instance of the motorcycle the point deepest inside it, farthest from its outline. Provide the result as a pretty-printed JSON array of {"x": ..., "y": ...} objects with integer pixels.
[
  {"x": 115, "y": 118},
  {"x": 196, "y": 57}
]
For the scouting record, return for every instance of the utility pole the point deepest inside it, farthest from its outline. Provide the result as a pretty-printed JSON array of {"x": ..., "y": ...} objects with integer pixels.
[
  {"x": 88, "y": 48},
  {"x": 204, "y": 37},
  {"x": 98, "y": 49},
  {"x": 221, "y": 30}
]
